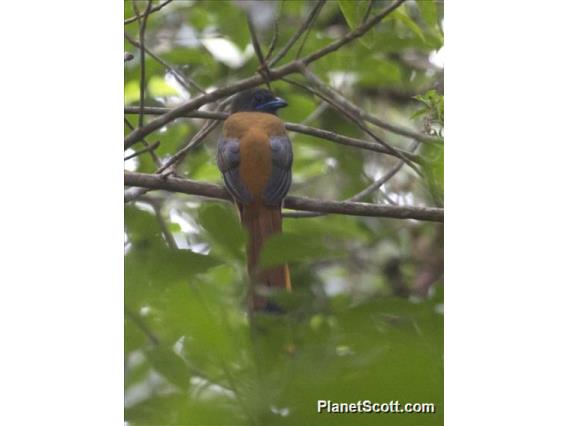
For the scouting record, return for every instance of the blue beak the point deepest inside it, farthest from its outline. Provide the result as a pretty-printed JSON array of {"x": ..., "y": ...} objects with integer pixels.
[{"x": 274, "y": 104}]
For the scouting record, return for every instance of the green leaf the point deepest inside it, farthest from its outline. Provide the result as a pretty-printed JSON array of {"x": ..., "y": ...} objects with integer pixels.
[
  {"x": 434, "y": 170},
  {"x": 420, "y": 112},
  {"x": 284, "y": 248},
  {"x": 163, "y": 265},
  {"x": 428, "y": 11},
  {"x": 169, "y": 365},
  {"x": 221, "y": 224},
  {"x": 354, "y": 12},
  {"x": 160, "y": 410},
  {"x": 131, "y": 92},
  {"x": 401, "y": 16},
  {"x": 158, "y": 87}
]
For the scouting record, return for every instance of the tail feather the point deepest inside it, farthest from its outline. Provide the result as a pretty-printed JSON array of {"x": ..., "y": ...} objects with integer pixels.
[{"x": 261, "y": 222}]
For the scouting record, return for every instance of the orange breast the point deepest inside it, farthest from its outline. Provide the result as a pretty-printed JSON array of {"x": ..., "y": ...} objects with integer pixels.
[
  {"x": 256, "y": 161},
  {"x": 253, "y": 130}
]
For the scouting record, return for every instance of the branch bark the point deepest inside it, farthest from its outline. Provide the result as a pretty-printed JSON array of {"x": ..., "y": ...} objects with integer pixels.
[
  {"x": 293, "y": 127},
  {"x": 209, "y": 190}
]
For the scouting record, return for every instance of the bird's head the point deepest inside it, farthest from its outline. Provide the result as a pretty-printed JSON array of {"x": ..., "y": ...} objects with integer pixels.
[{"x": 257, "y": 100}]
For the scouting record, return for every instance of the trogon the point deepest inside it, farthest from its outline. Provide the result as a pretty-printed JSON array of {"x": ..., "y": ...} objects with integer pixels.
[{"x": 255, "y": 157}]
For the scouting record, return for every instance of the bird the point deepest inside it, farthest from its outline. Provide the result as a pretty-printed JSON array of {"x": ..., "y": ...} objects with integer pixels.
[{"x": 254, "y": 155}]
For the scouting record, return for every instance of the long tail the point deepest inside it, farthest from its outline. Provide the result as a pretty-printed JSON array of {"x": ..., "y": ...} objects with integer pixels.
[{"x": 261, "y": 222}]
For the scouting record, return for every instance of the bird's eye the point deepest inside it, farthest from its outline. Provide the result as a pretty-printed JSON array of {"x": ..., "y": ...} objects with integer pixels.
[{"x": 258, "y": 98}]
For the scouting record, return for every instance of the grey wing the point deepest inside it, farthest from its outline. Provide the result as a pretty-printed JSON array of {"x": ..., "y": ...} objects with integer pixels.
[
  {"x": 228, "y": 159},
  {"x": 281, "y": 177}
]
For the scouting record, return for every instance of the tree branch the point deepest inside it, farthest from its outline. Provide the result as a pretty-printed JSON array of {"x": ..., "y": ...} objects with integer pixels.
[
  {"x": 293, "y": 127},
  {"x": 209, "y": 190}
]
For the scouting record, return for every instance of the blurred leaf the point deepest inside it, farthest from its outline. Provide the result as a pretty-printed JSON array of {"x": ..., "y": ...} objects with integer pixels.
[
  {"x": 220, "y": 222},
  {"x": 131, "y": 92},
  {"x": 158, "y": 87},
  {"x": 134, "y": 338},
  {"x": 283, "y": 248},
  {"x": 354, "y": 12},
  {"x": 301, "y": 107},
  {"x": 160, "y": 410},
  {"x": 434, "y": 170},
  {"x": 428, "y": 11},
  {"x": 170, "y": 365},
  {"x": 401, "y": 16}
]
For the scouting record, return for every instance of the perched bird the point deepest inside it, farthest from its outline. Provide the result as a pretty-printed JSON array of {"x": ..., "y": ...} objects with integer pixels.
[{"x": 255, "y": 158}]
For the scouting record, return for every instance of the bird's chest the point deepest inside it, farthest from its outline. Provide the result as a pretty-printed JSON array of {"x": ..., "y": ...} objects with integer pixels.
[{"x": 255, "y": 162}]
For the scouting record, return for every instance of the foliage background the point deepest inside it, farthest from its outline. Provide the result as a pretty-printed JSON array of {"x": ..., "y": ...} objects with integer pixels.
[{"x": 365, "y": 320}]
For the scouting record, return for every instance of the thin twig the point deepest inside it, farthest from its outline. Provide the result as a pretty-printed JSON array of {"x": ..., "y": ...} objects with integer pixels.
[
  {"x": 262, "y": 69},
  {"x": 154, "y": 9},
  {"x": 209, "y": 190},
  {"x": 368, "y": 11},
  {"x": 149, "y": 148},
  {"x": 142, "y": 30},
  {"x": 275, "y": 34},
  {"x": 307, "y": 23},
  {"x": 307, "y": 33}
]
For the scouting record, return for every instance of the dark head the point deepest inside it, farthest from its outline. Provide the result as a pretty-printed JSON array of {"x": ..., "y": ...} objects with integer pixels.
[{"x": 257, "y": 100}]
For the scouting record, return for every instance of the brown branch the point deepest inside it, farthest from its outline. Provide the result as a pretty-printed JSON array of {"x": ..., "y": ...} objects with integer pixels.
[
  {"x": 291, "y": 67},
  {"x": 154, "y": 9},
  {"x": 293, "y": 127},
  {"x": 209, "y": 190}
]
